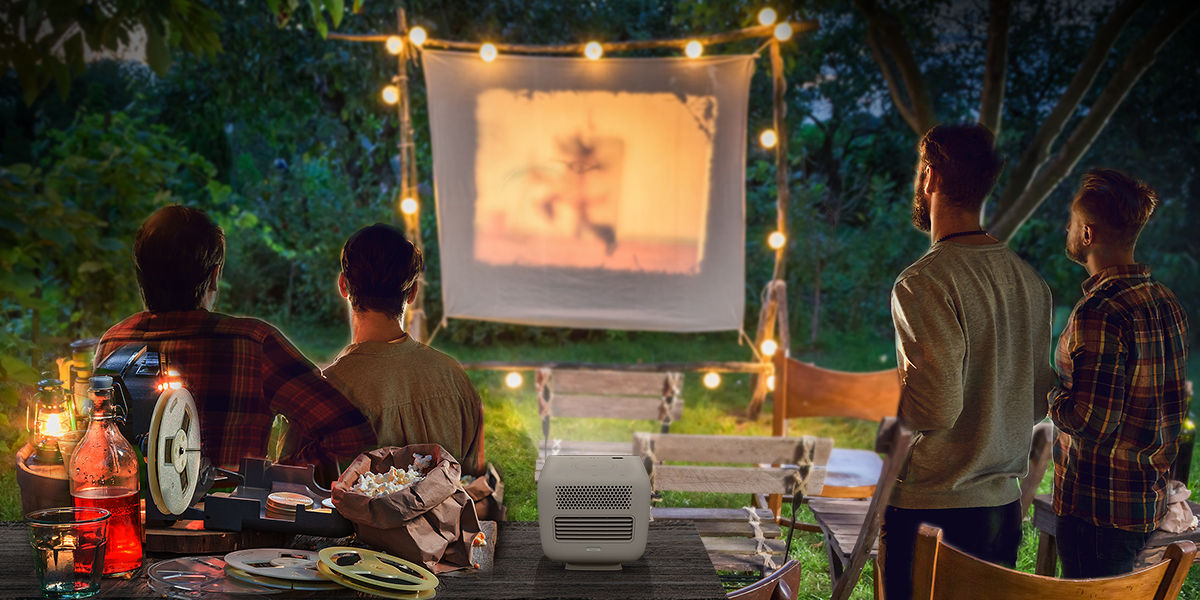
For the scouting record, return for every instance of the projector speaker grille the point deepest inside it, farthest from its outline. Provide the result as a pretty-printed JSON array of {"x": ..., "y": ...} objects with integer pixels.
[
  {"x": 593, "y": 497},
  {"x": 593, "y": 529}
]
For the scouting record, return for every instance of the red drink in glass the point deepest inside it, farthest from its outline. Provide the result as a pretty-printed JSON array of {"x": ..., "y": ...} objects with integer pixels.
[{"x": 124, "y": 553}]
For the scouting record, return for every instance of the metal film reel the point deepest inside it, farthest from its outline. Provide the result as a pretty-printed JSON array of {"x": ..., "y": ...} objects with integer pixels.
[
  {"x": 376, "y": 569},
  {"x": 173, "y": 451}
]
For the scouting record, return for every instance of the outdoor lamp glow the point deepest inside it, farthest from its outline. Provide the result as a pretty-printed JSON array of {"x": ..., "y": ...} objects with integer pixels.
[
  {"x": 766, "y": 16},
  {"x": 513, "y": 380},
  {"x": 768, "y": 139},
  {"x": 712, "y": 379},
  {"x": 417, "y": 35},
  {"x": 768, "y": 347},
  {"x": 593, "y": 50},
  {"x": 783, "y": 31},
  {"x": 394, "y": 44},
  {"x": 488, "y": 52},
  {"x": 776, "y": 240},
  {"x": 771, "y": 382},
  {"x": 693, "y": 49},
  {"x": 391, "y": 94},
  {"x": 408, "y": 206}
]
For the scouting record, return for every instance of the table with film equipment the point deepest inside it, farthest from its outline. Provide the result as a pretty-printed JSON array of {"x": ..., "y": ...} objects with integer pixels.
[{"x": 675, "y": 566}]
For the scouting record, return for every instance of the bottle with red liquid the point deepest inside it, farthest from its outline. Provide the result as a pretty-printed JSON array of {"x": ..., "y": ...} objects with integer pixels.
[{"x": 104, "y": 474}]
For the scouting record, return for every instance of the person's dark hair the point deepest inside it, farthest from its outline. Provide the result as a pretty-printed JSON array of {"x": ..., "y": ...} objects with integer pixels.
[
  {"x": 965, "y": 160},
  {"x": 174, "y": 254},
  {"x": 381, "y": 267},
  {"x": 1117, "y": 203}
]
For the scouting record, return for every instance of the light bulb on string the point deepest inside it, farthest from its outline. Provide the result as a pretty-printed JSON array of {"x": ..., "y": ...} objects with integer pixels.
[
  {"x": 394, "y": 44},
  {"x": 783, "y": 31},
  {"x": 593, "y": 50},
  {"x": 768, "y": 139},
  {"x": 766, "y": 16},
  {"x": 776, "y": 240},
  {"x": 513, "y": 380},
  {"x": 408, "y": 206},
  {"x": 712, "y": 379},
  {"x": 417, "y": 35},
  {"x": 768, "y": 347},
  {"x": 391, "y": 94},
  {"x": 488, "y": 52},
  {"x": 693, "y": 49},
  {"x": 771, "y": 383}
]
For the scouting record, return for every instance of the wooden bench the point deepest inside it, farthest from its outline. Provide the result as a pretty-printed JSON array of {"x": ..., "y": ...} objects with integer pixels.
[
  {"x": 745, "y": 539},
  {"x": 564, "y": 393}
]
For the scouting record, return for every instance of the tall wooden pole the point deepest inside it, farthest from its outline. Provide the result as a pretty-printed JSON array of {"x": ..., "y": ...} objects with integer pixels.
[
  {"x": 414, "y": 317},
  {"x": 773, "y": 309}
]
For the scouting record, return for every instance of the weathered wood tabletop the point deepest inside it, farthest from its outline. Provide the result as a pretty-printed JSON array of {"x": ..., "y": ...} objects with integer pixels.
[{"x": 674, "y": 567}]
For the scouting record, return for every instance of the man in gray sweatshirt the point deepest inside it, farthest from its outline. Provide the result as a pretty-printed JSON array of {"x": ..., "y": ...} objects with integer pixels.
[{"x": 972, "y": 346}]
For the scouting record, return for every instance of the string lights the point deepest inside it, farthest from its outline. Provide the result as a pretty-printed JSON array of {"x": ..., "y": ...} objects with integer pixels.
[
  {"x": 390, "y": 94},
  {"x": 776, "y": 240},
  {"x": 768, "y": 347},
  {"x": 488, "y": 52},
  {"x": 766, "y": 16},
  {"x": 771, "y": 382},
  {"x": 408, "y": 206},
  {"x": 768, "y": 139},
  {"x": 693, "y": 49},
  {"x": 513, "y": 380},
  {"x": 394, "y": 44},
  {"x": 417, "y": 35},
  {"x": 593, "y": 50},
  {"x": 783, "y": 31},
  {"x": 712, "y": 379}
]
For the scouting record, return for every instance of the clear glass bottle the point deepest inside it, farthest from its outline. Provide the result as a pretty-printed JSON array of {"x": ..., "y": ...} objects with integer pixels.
[{"x": 104, "y": 474}]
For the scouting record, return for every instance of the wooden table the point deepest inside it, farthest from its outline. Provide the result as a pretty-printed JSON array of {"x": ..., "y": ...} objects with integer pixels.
[
  {"x": 674, "y": 567},
  {"x": 1047, "y": 555}
]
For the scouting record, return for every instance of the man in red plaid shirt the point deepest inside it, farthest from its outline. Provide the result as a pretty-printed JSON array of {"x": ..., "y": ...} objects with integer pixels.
[
  {"x": 1120, "y": 403},
  {"x": 241, "y": 371}
]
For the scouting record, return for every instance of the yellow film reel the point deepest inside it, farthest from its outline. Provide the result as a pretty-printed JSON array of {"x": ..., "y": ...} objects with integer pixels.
[
  {"x": 419, "y": 595},
  {"x": 376, "y": 569}
]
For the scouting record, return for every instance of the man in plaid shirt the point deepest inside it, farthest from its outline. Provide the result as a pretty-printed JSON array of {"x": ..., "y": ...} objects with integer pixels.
[
  {"x": 1120, "y": 403},
  {"x": 241, "y": 371}
]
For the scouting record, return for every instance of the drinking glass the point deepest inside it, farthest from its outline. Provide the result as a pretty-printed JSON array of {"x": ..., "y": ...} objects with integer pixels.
[{"x": 68, "y": 546}]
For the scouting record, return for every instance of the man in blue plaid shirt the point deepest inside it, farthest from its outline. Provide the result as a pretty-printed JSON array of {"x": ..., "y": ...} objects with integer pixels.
[{"x": 1120, "y": 402}]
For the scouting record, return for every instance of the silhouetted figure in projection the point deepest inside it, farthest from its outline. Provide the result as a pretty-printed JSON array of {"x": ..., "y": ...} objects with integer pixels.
[{"x": 580, "y": 158}]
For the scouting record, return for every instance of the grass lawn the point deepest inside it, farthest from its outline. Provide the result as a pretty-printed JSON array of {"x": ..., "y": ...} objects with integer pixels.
[{"x": 514, "y": 430}]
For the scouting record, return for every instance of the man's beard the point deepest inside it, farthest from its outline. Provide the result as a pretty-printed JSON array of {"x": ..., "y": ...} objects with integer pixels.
[
  {"x": 1075, "y": 251},
  {"x": 920, "y": 211}
]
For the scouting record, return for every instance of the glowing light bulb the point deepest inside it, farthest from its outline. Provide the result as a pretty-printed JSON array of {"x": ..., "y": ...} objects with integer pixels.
[
  {"x": 391, "y": 94},
  {"x": 693, "y": 49},
  {"x": 712, "y": 379},
  {"x": 394, "y": 44},
  {"x": 783, "y": 32},
  {"x": 488, "y": 52},
  {"x": 768, "y": 139},
  {"x": 766, "y": 16},
  {"x": 513, "y": 380},
  {"x": 417, "y": 35},
  {"x": 771, "y": 382},
  {"x": 593, "y": 50},
  {"x": 768, "y": 347},
  {"x": 776, "y": 240},
  {"x": 408, "y": 206},
  {"x": 53, "y": 425}
]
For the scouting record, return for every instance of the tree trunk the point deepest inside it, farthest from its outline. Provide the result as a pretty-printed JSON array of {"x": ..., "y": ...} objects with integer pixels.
[{"x": 996, "y": 65}]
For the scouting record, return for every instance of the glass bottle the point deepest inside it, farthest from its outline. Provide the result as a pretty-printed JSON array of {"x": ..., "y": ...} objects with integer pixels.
[{"x": 104, "y": 474}]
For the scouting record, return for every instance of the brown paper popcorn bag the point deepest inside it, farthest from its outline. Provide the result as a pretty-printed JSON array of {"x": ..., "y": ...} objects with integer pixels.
[
  {"x": 487, "y": 491},
  {"x": 431, "y": 522}
]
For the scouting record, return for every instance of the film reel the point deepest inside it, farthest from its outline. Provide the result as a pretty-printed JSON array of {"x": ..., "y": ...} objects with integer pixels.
[
  {"x": 385, "y": 593},
  {"x": 277, "y": 563},
  {"x": 376, "y": 570},
  {"x": 280, "y": 584},
  {"x": 173, "y": 451},
  {"x": 199, "y": 577}
]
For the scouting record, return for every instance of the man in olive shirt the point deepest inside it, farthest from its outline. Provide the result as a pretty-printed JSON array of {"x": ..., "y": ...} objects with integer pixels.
[
  {"x": 973, "y": 345},
  {"x": 410, "y": 393}
]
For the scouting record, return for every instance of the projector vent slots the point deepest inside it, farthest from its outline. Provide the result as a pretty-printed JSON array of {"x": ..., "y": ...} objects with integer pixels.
[
  {"x": 593, "y": 497},
  {"x": 593, "y": 529}
]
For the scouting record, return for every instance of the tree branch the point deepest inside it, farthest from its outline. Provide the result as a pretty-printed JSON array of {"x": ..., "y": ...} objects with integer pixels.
[
  {"x": 1038, "y": 150},
  {"x": 1139, "y": 59},
  {"x": 893, "y": 85},
  {"x": 996, "y": 65},
  {"x": 889, "y": 41}
]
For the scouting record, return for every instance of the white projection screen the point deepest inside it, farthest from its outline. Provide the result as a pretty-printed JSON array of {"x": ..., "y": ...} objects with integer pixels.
[{"x": 597, "y": 194}]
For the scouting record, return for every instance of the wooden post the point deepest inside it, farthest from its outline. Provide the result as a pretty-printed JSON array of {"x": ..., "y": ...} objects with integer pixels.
[
  {"x": 772, "y": 310},
  {"x": 414, "y": 317}
]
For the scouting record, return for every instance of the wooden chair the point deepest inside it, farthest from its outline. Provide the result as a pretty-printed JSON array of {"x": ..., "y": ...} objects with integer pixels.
[
  {"x": 783, "y": 584},
  {"x": 604, "y": 395},
  {"x": 736, "y": 539},
  {"x": 805, "y": 390},
  {"x": 942, "y": 571}
]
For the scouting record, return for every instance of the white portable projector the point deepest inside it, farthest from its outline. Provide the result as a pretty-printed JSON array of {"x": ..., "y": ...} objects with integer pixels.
[{"x": 593, "y": 511}]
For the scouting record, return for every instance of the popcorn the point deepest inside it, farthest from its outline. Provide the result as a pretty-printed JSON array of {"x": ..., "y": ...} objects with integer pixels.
[{"x": 381, "y": 484}]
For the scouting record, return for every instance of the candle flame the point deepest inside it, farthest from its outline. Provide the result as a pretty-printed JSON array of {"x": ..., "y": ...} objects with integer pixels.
[{"x": 53, "y": 425}]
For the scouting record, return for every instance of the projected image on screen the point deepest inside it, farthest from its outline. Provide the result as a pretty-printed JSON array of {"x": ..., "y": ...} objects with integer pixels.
[{"x": 591, "y": 179}]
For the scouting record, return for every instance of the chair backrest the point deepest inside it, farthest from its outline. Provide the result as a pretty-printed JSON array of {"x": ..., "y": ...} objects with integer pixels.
[
  {"x": 895, "y": 440},
  {"x": 783, "y": 584},
  {"x": 804, "y": 459},
  {"x": 943, "y": 571},
  {"x": 805, "y": 390},
  {"x": 611, "y": 394}
]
